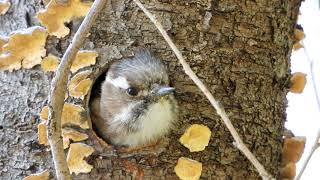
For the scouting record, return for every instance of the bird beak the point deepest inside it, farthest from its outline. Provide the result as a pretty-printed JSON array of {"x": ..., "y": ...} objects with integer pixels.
[{"x": 164, "y": 90}]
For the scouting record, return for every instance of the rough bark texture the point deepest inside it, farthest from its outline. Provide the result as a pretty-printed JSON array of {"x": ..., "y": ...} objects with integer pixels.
[
  {"x": 20, "y": 15},
  {"x": 239, "y": 49}
]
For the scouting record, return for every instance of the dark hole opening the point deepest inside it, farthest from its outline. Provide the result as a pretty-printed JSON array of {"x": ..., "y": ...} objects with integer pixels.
[
  {"x": 96, "y": 88},
  {"x": 95, "y": 93}
]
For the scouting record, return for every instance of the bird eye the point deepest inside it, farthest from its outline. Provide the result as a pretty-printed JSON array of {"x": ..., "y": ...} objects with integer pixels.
[{"x": 132, "y": 91}]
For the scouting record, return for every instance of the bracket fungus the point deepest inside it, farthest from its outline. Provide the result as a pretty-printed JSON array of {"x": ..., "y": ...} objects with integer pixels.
[
  {"x": 298, "y": 80},
  {"x": 298, "y": 35},
  {"x": 55, "y": 15},
  {"x": 42, "y": 134},
  {"x": 3, "y": 41},
  {"x": 42, "y": 126},
  {"x": 80, "y": 84},
  {"x": 4, "y": 6},
  {"x": 39, "y": 176},
  {"x": 23, "y": 48},
  {"x": 196, "y": 137},
  {"x": 73, "y": 114},
  {"x": 188, "y": 169},
  {"x": 44, "y": 113},
  {"x": 76, "y": 153},
  {"x": 68, "y": 133},
  {"x": 288, "y": 171},
  {"x": 83, "y": 59},
  {"x": 293, "y": 149},
  {"x": 296, "y": 46},
  {"x": 50, "y": 63}
]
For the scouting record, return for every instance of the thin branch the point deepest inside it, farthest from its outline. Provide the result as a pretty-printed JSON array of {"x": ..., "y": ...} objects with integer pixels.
[
  {"x": 314, "y": 147},
  {"x": 58, "y": 89},
  {"x": 316, "y": 144},
  {"x": 238, "y": 141},
  {"x": 314, "y": 82}
]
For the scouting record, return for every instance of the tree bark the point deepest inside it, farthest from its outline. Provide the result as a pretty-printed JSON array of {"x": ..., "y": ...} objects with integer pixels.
[{"x": 240, "y": 50}]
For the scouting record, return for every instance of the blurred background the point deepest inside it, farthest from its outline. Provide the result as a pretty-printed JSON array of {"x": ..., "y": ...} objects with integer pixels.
[{"x": 303, "y": 112}]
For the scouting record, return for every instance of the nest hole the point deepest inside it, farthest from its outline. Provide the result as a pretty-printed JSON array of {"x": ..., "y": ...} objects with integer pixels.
[{"x": 94, "y": 93}]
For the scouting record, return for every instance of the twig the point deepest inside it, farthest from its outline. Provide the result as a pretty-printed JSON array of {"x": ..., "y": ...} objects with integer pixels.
[
  {"x": 315, "y": 87},
  {"x": 238, "y": 141},
  {"x": 316, "y": 144},
  {"x": 314, "y": 147},
  {"x": 58, "y": 89}
]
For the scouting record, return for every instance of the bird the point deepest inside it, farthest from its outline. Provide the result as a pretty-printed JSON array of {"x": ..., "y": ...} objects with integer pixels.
[{"x": 136, "y": 105}]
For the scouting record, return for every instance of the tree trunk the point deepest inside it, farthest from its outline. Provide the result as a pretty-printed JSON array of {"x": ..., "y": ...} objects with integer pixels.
[{"x": 239, "y": 49}]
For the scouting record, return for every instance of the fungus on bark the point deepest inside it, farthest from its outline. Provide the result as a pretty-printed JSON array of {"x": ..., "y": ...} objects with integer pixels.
[
  {"x": 188, "y": 169},
  {"x": 288, "y": 171},
  {"x": 80, "y": 84},
  {"x": 71, "y": 134},
  {"x": 4, "y": 6},
  {"x": 55, "y": 15},
  {"x": 293, "y": 148},
  {"x": 42, "y": 134},
  {"x": 298, "y": 81},
  {"x": 50, "y": 63},
  {"x": 83, "y": 59},
  {"x": 196, "y": 137},
  {"x": 71, "y": 115},
  {"x": 76, "y": 153},
  {"x": 298, "y": 35},
  {"x": 39, "y": 176},
  {"x": 24, "y": 48}
]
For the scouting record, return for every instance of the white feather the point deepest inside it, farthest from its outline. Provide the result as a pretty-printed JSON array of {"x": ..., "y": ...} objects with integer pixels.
[
  {"x": 154, "y": 124},
  {"x": 120, "y": 82},
  {"x": 125, "y": 114}
]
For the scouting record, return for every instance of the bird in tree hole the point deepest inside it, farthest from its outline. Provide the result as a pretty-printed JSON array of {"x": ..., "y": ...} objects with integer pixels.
[{"x": 136, "y": 105}]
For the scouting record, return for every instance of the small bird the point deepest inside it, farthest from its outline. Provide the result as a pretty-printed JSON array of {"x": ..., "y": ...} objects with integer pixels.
[{"x": 136, "y": 105}]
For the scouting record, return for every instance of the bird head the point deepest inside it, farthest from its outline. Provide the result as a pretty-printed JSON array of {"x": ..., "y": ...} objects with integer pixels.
[{"x": 132, "y": 88}]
